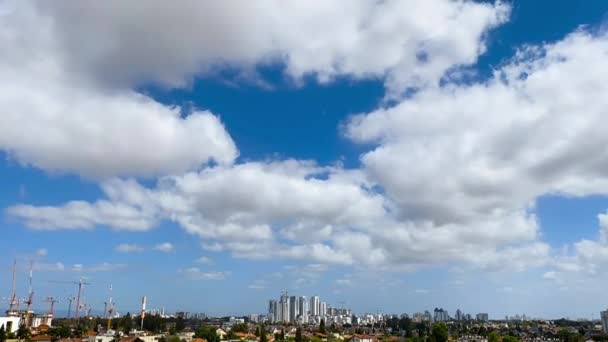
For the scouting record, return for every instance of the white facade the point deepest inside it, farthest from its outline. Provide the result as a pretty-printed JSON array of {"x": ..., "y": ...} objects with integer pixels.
[
  {"x": 294, "y": 308},
  {"x": 322, "y": 309},
  {"x": 10, "y": 324},
  {"x": 303, "y": 309},
  {"x": 314, "y": 306}
]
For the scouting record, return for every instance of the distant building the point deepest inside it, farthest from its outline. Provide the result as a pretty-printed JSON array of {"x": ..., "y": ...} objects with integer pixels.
[
  {"x": 322, "y": 309},
  {"x": 482, "y": 317},
  {"x": 273, "y": 311},
  {"x": 303, "y": 309},
  {"x": 284, "y": 308},
  {"x": 294, "y": 308},
  {"x": 604, "y": 318},
  {"x": 459, "y": 315},
  {"x": 441, "y": 315},
  {"x": 314, "y": 306}
]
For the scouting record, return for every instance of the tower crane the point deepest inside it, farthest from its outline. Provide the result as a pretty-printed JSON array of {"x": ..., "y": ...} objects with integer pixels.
[
  {"x": 30, "y": 298},
  {"x": 110, "y": 309},
  {"x": 13, "y": 301},
  {"x": 51, "y": 301},
  {"x": 70, "y": 300},
  {"x": 81, "y": 283}
]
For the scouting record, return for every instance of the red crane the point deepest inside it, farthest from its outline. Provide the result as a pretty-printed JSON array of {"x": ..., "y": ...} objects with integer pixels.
[
  {"x": 81, "y": 283},
  {"x": 51, "y": 301}
]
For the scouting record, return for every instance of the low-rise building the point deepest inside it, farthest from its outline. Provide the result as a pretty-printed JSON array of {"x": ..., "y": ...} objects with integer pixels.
[{"x": 10, "y": 324}]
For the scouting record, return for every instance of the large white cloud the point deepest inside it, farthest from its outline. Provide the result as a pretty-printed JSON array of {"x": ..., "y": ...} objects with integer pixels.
[
  {"x": 409, "y": 42},
  {"x": 459, "y": 167},
  {"x": 58, "y": 119}
]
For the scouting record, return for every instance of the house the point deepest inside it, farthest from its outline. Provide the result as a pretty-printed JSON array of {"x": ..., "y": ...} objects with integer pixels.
[
  {"x": 10, "y": 323},
  {"x": 362, "y": 338},
  {"x": 41, "y": 338},
  {"x": 221, "y": 333},
  {"x": 98, "y": 338}
]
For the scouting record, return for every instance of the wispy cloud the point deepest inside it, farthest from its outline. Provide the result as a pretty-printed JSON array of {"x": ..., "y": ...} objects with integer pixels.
[
  {"x": 204, "y": 260},
  {"x": 164, "y": 247},
  {"x": 195, "y": 273},
  {"x": 128, "y": 248},
  {"x": 259, "y": 284},
  {"x": 133, "y": 247}
]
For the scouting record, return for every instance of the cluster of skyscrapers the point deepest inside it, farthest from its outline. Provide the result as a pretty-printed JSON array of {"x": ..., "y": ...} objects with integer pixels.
[{"x": 302, "y": 310}]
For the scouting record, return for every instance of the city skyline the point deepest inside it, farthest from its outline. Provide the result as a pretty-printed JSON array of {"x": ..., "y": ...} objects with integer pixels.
[{"x": 394, "y": 156}]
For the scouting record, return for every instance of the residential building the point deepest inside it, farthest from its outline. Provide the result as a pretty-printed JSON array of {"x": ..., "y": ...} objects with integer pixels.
[
  {"x": 314, "y": 306},
  {"x": 482, "y": 317},
  {"x": 441, "y": 315},
  {"x": 294, "y": 308},
  {"x": 284, "y": 308},
  {"x": 604, "y": 318},
  {"x": 303, "y": 309},
  {"x": 322, "y": 309},
  {"x": 10, "y": 324},
  {"x": 273, "y": 314}
]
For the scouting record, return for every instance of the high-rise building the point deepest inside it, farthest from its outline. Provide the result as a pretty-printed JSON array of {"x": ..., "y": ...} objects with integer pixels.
[
  {"x": 604, "y": 318},
  {"x": 273, "y": 310},
  {"x": 322, "y": 309},
  {"x": 284, "y": 307},
  {"x": 482, "y": 317},
  {"x": 294, "y": 308},
  {"x": 441, "y": 315},
  {"x": 303, "y": 309},
  {"x": 459, "y": 315},
  {"x": 314, "y": 306}
]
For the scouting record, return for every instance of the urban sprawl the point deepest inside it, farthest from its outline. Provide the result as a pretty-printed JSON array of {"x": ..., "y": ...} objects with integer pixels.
[{"x": 287, "y": 319}]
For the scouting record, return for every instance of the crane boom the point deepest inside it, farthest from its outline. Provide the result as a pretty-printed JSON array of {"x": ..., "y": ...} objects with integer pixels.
[{"x": 80, "y": 284}]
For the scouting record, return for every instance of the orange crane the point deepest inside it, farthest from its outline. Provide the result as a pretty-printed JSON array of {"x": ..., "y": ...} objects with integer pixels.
[
  {"x": 110, "y": 310},
  {"x": 81, "y": 283}
]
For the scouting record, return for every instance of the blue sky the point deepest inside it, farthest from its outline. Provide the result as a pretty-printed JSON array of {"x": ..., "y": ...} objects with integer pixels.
[{"x": 390, "y": 162}]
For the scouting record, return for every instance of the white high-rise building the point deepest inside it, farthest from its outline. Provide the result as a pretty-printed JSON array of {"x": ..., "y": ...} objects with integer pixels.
[
  {"x": 284, "y": 308},
  {"x": 604, "y": 318},
  {"x": 294, "y": 308},
  {"x": 273, "y": 314},
  {"x": 303, "y": 309},
  {"x": 322, "y": 309},
  {"x": 314, "y": 306}
]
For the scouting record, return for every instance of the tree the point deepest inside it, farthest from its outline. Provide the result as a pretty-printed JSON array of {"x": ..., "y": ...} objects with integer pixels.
[
  {"x": 322, "y": 326},
  {"x": 240, "y": 327},
  {"x": 510, "y": 339},
  {"x": 2, "y": 334},
  {"x": 180, "y": 324},
  {"x": 440, "y": 332},
  {"x": 298, "y": 334},
  {"x": 263, "y": 337},
  {"x": 208, "y": 333},
  {"x": 493, "y": 337},
  {"x": 23, "y": 333}
]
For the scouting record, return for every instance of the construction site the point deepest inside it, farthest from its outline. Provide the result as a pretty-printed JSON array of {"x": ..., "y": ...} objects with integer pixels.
[{"x": 21, "y": 320}]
